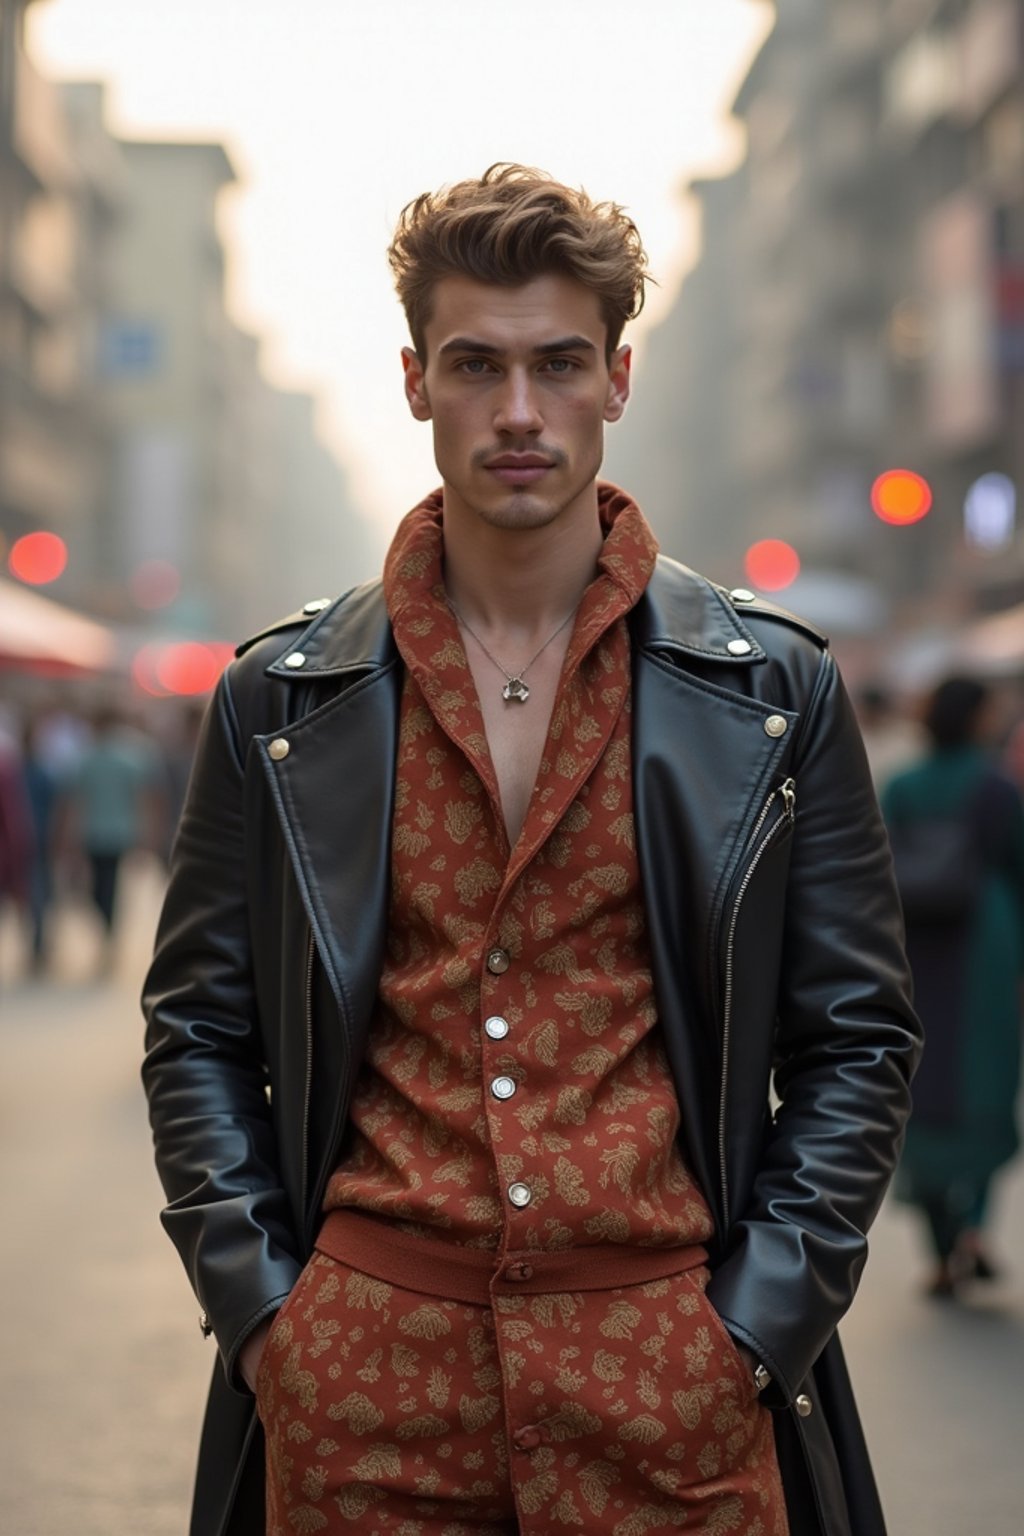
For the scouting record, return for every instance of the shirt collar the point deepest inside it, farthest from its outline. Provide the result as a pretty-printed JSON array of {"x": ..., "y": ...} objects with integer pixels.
[{"x": 414, "y": 567}]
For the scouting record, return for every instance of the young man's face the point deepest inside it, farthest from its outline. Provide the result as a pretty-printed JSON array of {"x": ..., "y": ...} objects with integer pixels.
[{"x": 518, "y": 387}]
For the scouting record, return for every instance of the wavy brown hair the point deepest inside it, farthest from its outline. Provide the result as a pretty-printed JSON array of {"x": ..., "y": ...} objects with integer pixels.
[{"x": 511, "y": 225}]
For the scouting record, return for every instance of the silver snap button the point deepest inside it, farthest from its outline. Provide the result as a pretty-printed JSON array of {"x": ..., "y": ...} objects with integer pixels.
[
  {"x": 803, "y": 1405},
  {"x": 295, "y": 660},
  {"x": 279, "y": 748},
  {"x": 739, "y": 647},
  {"x": 497, "y": 962},
  {"x": 496, "y": 1027},
  {"x": 520, "y": 1194},
  {"x": 317, "y": 605},
  {"x": 742, "y": 595},
  {"x": 776, "y": 725},
  {"x": 503, "y": 1087}
]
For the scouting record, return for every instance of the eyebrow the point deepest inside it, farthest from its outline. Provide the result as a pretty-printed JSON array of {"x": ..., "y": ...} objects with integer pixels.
[{"x": 545, "y": 349}]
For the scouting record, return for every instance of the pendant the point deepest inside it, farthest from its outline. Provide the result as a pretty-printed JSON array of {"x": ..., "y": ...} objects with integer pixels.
[{"x": 516, "y": 689}]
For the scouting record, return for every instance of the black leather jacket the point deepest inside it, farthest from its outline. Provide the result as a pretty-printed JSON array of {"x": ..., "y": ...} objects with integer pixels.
[{"x": 776, "y": 944}]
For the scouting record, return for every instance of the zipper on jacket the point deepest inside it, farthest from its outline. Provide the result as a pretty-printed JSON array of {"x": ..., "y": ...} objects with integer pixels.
[
  {"x": 312, "y": 1199},
  {"x": 760, "y": 841},
  {"x": 308, "y": 1088}
]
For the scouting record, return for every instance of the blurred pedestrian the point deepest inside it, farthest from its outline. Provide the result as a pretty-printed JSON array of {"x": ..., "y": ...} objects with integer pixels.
[
  {"x": 15, "y": 823},
  {"x": 42, "y": 791},
  {"x": 116, "y": 798},
  {"x": 1012, "y": 759},
  {"x": 957, "y": 831}
]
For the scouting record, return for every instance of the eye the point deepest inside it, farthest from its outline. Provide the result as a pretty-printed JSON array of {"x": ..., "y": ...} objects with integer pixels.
[
  {"x": 561, "y": 365},
  {"x": 474, "y": 366}
]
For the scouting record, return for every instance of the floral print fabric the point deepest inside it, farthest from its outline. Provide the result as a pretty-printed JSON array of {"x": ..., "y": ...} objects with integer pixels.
[
  {"x": 616, "y": 1413},
  {"x": 515, "y": 1046}
]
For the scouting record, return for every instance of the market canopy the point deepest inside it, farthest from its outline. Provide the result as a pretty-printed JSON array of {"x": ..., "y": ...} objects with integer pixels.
[{"x": 40, "y": 635}]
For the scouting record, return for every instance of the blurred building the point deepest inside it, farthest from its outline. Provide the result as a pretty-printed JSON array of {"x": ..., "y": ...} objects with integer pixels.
[
  {"x": 288, "y": 531},
  {"x": 858, "y": 306},
  {"x": 56, "y": 212},
  {"x": 136, "y": 421},
  {"x": 164, "y": 367},
  {"x": 218, "y": 476}
]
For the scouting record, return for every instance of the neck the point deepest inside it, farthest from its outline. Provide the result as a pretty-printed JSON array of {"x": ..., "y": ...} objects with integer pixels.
[{"x": 520, "y": 580}]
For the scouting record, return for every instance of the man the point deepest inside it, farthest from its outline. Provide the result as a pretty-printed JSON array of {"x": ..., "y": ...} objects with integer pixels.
[{"x": 503, "y": 887}]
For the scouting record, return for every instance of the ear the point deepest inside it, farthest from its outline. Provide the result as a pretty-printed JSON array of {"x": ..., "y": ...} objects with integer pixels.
[
  {"x": 618, "y": 383},
  {"x": 415, "y": 385}
]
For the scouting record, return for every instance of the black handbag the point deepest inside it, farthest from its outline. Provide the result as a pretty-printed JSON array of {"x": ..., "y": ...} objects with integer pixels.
[
  {"x": 939, "y": 864},
  {"x": 938, "y": 868}
]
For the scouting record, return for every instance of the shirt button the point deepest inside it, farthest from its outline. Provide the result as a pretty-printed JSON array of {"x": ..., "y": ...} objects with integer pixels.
[
  {"x": 503, "y": 1087},
  {"x": 519, "y": 1271},
  {"x": 496, "y": 1027},
  {"x": 497, "y": 962},
  {"x": 520, "y": 1194},
  {"x": 527, "y": 1439}
]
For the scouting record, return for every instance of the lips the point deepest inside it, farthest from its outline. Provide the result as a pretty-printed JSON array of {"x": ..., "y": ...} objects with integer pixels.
[
  {"x": 519, "y": 469},
  {"x": 519, "y": 461}
]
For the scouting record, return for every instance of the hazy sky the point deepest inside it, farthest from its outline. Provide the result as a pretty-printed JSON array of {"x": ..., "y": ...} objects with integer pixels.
[{"x": 337, "y": 113}]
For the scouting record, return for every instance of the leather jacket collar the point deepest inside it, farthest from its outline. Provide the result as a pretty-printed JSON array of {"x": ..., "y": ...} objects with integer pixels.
[{"x": 679, "y": 611}]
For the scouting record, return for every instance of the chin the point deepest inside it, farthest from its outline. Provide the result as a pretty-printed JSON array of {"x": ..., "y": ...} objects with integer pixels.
[
  {"x": 520, "y": 511},
  {"x": 526, "y": 508}
]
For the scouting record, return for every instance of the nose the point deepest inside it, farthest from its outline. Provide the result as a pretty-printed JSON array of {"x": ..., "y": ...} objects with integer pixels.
[{"x": 517, "y": 409}]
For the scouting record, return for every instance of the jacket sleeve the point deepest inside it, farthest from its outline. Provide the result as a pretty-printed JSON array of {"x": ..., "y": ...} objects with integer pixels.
[
  {"x": 204, "y": 1071},
  {"x": 847, "y": 1044}
]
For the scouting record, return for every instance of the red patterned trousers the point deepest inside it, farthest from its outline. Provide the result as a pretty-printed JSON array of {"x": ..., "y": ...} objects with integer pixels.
[{"x": 410, "y": 1387}]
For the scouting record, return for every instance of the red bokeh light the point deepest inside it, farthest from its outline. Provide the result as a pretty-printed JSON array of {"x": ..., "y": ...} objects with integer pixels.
[
  {"x": 899, "y": 497},
  {"x": 185, "y": 667},
  {"x": 188, "y": 667},
  {"x": 771, "y": 564},
  {"x": 38, "y": 558}
]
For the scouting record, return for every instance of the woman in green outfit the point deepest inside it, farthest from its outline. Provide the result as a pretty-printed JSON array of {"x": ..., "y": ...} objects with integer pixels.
[{"x": 965, "y": 943}]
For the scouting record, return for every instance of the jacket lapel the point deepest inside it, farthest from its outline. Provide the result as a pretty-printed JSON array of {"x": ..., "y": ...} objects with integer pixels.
[
  {"x": 331, "y": 775},
  {"x": 703, "y": 765}
]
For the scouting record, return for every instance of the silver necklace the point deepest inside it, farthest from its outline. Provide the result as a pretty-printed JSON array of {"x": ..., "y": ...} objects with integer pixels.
[{"x": 515, "y": 690}]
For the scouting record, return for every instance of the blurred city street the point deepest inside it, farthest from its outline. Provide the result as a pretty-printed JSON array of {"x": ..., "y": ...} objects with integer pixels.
[
  {"x": 105, "y": 1369},
  {"x": 812, "y": 219},
  {"x": 104, "y": 1366}
]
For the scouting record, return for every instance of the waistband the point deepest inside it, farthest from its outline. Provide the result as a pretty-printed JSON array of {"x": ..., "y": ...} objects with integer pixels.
[{"x": 434, "y": 1267}]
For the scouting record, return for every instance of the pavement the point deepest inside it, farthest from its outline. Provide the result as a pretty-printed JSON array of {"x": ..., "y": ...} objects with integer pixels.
[{"x": 104, "y": 1369}]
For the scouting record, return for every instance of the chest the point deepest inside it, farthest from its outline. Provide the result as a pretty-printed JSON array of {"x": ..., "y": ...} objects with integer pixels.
[{"x": 516, "y": 731}]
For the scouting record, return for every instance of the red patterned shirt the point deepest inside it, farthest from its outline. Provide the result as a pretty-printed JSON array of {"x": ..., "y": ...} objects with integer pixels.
[{"x": 515, "y": 1092}]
